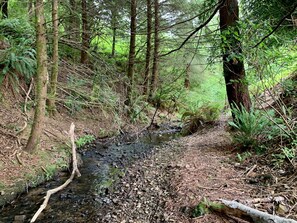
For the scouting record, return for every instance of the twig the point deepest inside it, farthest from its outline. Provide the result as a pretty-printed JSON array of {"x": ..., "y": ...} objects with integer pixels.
[
  {"x": 27, "y": 96},
  {"x": 251, "y": 170},
  {"x": 8, "y": 134},
  {"x": 277, "y": 26},
  {"x": 19, "y": 159},
  {"x": 208, "y": 188},
  {"x": 23, "y": 128},
  {"x": 153, "y": 118},
  {"x": 75, "y": 171},
  {"x": 197, "y": 29}
]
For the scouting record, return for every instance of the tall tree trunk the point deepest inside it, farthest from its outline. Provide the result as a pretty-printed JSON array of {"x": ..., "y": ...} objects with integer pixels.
[
  {"x": 55, "y": 62},
  {"x": 30, "y": 9},
  {"x": 130, "y": 72},
  {"x": 114, "y": 30},
  {"x": 233, "y": 64},
  {"x": 4, "y": 9},
  {"x": 154, "y": 78},
  {"x": 73, "y": 22},
  {"x": 187, "y": 77},
  {"x": 41, "y": 78},
  {"x": 85, "y": 33},
  {"x": 148, "y": 47}
]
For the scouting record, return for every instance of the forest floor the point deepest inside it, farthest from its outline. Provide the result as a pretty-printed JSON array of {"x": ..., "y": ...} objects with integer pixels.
[
  {"x": 20, "y": 170},
  {"x": 164, "y": 187},
  {"x": 168, "y": 185}
]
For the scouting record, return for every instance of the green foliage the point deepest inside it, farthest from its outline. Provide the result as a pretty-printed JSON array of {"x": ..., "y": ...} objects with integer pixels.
[
  {"x": 205, "y": 207},
  {"x": 255, "y": 128},
  {"x": 18, "y": 59},
  {"x": 137, "y": 111},
  {"x": 73, "y": 104},
  {"x": 198, "y": 116},
  {"x": 289, "y": 87},
  {"x": 50, "y": 171},
  {"x": 243, "y": 156},
  {"x": 200, "y": 210},
  {"x": 287, "y": 153},
  {"x": 80, "y": 142},
  {"x": 267, "y": 10},
  {"x": 16, "y": 29}
]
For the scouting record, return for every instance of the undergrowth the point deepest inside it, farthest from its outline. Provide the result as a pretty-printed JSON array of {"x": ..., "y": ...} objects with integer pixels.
[
  {"x": 256, "y": 129},
  {"x": 196, "y": 117},
  {"x": 18, "y": 56}
]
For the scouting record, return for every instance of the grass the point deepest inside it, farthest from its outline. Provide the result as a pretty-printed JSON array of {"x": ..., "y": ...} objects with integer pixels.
[
  {"x": 278, "y": 65},
  {"x": 207, "y": 87}
]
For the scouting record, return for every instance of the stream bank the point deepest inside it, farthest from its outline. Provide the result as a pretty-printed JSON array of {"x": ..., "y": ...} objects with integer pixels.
[
  {"x": 105, "y": 164},
  {"x": 141, "y": 181}
]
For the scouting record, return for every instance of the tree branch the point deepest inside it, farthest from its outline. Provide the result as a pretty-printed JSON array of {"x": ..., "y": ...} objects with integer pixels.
[
  {"x": 190, "y": 19},
  {"x": 197, "y": 29},
  {"x": 75, "y": 171},
  {"x": 277, "y": 26}
]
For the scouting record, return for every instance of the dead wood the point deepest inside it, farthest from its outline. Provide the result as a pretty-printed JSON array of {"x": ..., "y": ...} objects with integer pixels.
[
  {"x": 244, "y": 212},
  {"x": 75, "y": 171}
]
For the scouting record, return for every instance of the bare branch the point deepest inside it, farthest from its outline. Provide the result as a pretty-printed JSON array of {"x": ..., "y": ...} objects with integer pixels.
[
  {"x": 198, "y": 28},
  {"x": 277, "y": 26}
]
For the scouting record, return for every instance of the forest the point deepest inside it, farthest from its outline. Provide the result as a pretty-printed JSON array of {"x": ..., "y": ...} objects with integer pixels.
[{"x": 179, "y": 111}]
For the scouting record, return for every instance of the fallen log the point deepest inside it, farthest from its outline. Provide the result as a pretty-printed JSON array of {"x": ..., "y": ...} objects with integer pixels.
[
  {"x": 244, "y": 212},
  {"x": 75, "y": 171}
]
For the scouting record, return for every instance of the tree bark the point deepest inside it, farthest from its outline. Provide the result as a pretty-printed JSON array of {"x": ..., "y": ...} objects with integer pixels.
[
  {"x": 4, "y": 9},
  {"x": 148, "y": 48},
  {"x": 30, "y": 9},
  {"x": 85, "y": 33},
  {"x": 187, "y": 77},
  {"x": 154, "y": 77},
  {"x": 130, "y": 72},
  {"x": 246, "y": 213},
  {"x": 114, "y": 30},
  {"x": 73, "y": 22},
  {"x": 55, "y": 63},
  {"x": 233, "y": 64},
  {"x": 41, "y": 78}
]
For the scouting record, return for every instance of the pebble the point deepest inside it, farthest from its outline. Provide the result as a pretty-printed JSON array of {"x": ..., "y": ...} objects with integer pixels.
[{"x": 19, "y": 218}]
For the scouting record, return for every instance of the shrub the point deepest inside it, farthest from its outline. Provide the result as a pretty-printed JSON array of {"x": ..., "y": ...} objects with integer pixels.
[
  {"x": 80, "y": 142},
  {"x": 18, "y": 59},
  {"x": 197, "y": 117},
  {"x": 255, "y": 129}
]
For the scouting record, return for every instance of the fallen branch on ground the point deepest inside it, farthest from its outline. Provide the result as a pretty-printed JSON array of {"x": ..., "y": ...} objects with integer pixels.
[
  {"x": 75, "y": 171},
  {"x": 244, "y": 212}
]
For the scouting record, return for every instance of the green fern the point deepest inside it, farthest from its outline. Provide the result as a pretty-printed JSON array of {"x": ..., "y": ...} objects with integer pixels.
[
  {"x": 19, "y": 58},
  {"x": 255, "y": 128},
  {"x": 195, "y": 117}
]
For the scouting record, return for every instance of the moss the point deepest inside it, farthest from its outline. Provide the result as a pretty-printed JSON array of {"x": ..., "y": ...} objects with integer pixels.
[{"x": 51, "y": 162}]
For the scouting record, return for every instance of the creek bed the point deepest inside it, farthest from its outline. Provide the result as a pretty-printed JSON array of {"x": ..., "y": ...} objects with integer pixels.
[{"x": 103, "y": 167}]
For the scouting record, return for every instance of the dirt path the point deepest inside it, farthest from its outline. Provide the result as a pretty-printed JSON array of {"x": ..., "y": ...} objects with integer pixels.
[{"x": 165, "y": 186}]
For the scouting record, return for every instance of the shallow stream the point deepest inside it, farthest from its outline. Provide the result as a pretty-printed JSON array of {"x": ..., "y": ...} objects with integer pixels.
[{"x": 104, "y": 165}]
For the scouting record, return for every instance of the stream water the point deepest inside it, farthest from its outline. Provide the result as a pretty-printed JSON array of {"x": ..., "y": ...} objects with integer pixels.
[{"x": 103, "y": 166}]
